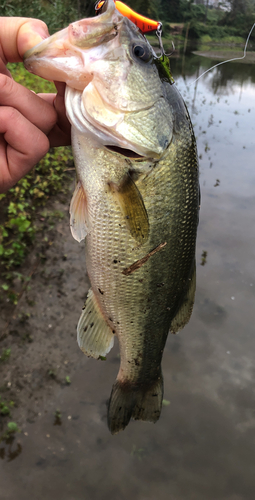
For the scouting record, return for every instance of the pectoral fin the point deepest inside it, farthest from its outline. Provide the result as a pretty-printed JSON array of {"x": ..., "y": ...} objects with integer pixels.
[
  {"x": 94, "y": 336},
  {"x": 183, "y": 315},
  {"x": 78, "y": 213},
  {"x": 129, "y": 199}
]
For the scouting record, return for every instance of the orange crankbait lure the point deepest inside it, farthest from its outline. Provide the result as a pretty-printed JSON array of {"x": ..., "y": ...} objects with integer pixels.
[{"x": 144, "y": 23}]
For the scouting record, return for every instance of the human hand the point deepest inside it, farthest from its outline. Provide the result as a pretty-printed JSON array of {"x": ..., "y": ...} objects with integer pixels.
[{"x": 29, "y": 123}]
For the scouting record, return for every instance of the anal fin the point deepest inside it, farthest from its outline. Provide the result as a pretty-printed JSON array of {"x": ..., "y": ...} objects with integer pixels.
[
  {"x": 94, "y": 336},
  {"x": 184, "y": 312}
]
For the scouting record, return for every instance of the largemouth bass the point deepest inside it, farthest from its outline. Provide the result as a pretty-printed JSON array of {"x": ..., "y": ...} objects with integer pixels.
[{"x": 136, "y": 200}]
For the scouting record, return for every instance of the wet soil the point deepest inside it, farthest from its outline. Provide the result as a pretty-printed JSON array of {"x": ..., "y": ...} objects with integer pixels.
[{"x": 40, "y": 330}]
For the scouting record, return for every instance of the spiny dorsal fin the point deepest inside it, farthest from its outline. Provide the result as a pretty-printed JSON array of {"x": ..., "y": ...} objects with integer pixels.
[
  {"x": 94, "y": 336},
  {"x": 183, "y": 315},
  {"x": 78, "y": 213},
  {"x": 130, "y": 201}
]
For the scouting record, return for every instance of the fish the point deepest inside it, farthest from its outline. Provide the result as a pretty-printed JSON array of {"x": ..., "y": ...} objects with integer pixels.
[{"x": 136, "y": 200}]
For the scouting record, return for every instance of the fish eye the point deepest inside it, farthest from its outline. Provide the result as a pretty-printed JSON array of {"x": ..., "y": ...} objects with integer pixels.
[{"x": 141, "y": 51}]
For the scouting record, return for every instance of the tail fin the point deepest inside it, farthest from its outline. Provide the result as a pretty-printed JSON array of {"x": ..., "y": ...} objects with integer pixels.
[{"x": 128, "y": 401}]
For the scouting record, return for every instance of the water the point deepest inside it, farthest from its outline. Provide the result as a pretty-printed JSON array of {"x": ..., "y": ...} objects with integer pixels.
[{"x": 203, "y": 445}]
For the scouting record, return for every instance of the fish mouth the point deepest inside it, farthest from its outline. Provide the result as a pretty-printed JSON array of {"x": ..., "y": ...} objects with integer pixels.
[{"x": 128, "y": 153}]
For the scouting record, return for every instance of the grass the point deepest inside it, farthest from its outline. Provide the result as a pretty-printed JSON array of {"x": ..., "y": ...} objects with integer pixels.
[
  {"x": 5, "y": 407},
  {"x": 12, "y": 429},
  {"x": 5, "y": 355},
  {"x": 222, "y": 42}
]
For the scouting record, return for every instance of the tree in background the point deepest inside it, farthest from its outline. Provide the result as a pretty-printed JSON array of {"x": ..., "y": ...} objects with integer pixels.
[
  {"x": 149, "y": 8},
  {"x": 217, "y": 23},
  {"x": 241, "y": 15}
]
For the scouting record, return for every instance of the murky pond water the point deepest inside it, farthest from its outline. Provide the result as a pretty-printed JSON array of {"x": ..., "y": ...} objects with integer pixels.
[{"x": 203, "y": 446}]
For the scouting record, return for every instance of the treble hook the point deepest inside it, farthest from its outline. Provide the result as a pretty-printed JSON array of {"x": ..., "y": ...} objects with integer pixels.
[{"x": 159, "y": 31}]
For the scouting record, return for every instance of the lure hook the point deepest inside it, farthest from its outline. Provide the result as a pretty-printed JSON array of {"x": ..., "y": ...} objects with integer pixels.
[
  {"x": 159, "y": 31},
  {"x": 144, "y": 24}
]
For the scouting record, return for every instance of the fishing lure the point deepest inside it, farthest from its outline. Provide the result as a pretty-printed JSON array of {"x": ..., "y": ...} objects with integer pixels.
[{"x": 143, "y": 23}]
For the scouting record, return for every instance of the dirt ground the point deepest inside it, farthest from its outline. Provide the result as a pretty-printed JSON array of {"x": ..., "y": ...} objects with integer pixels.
[{"x": 42, "y": 358}]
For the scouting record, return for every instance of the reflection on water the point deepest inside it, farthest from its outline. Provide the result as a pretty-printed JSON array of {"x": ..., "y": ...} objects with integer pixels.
[
  {"x": 191, "y": 66},
  {"x": 202, "y": 448}
]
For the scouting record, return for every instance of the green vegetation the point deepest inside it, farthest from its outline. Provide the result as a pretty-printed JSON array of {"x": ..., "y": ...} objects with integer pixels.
[
  {"x": 5, "y": 411},
  {"x": 5, "y": 407},
  {"x": 52, "y": 374},
  {"x": 58, "y": 418},
  {"x": 12, "y": 429},
  {"x": 5, "y": 355},
  {"x": 165, "y": 402},
  {"x": 234, "y": 20},
  {"x": 68, "y": 380}
]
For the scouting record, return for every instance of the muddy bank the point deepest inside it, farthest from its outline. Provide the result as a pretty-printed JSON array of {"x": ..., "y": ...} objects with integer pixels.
[{"x": 38, "y": 336}]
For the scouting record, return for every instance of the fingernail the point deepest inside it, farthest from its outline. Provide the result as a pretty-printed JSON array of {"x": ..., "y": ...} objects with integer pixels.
[
  {"x": 41, "y": 31},
  {"x": 30, "y": 34}
]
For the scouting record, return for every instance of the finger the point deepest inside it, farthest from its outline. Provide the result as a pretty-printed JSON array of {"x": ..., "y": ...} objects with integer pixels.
[
  {"x": 49, "y": 98},
  {"x": 35, "y": 109},
  {"x": 59, "y": 105},
  {"x": 23, "y": 146},
  {"x": 60, "y": 135},
  {"x": 18, "y": 34},
  {"x": 61, "y": 87},
  {"x": 3, "y": 69}
]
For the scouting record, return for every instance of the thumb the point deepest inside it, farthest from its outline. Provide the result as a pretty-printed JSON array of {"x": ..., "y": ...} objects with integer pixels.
[
  {"x": 32, "y": 32},
  {"x": 18, "y": 34}
]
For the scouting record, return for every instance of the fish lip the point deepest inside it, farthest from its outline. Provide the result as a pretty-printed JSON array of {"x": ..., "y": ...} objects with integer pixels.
[{"x": 127, "y": 153}]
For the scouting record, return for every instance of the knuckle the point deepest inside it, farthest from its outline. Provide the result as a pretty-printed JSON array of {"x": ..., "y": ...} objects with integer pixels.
[
  {"x": 11, "y": 115},
  {"x": 6, "y": 84},
  {"x": 42, "y": 145},
  {"x": 52, "y": 119}
]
